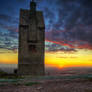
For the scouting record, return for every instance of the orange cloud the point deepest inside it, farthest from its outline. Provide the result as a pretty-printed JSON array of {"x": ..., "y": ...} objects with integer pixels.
[{"x": 72, "y": 45}]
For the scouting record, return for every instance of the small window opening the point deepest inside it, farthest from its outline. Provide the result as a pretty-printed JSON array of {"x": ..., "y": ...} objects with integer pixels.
[{"x": 32, "y": 48}]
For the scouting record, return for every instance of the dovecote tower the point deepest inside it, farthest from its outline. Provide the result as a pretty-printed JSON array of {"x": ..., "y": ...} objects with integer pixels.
[{"x": 31, "y": 41}]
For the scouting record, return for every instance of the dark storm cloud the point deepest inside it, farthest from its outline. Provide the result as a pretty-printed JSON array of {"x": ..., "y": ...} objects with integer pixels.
[
  {"x": 9, "y": 19},
  {"x": 71, "y": 9},
  {"x": 56, "y": 48},
  {"x": 82, "y": 33},
  {"x": 48, "y": 13},
  {"x": 9, "y": 28},
  {"x": 68, "y": 22},
  {"x": 4, "y": 17},
  {"x": 8, "y": 40},
  {"x": 64, "y": 10},
  {"x": 8, "y": 44},
  {"x": 20, "y": 1},
  {"x": 13, "y": 34},
  {"x": 8, "y": 22},
  {"x": 87, "y": 3},
  {"x": 73, "y": 23}
]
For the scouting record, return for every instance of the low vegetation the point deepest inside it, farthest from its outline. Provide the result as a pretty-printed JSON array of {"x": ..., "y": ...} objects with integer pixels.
[{"x": 32, "y": 83}]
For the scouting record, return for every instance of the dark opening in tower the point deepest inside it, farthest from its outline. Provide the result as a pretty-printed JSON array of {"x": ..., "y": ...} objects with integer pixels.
[{"x": 32, "y": 48}]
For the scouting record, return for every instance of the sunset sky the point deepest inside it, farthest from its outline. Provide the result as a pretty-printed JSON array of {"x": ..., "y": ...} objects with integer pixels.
[{"x": 68, "y": 33}]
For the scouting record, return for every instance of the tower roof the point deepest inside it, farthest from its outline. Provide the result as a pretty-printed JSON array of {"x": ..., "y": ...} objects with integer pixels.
[{"x": 33, "y": 5}]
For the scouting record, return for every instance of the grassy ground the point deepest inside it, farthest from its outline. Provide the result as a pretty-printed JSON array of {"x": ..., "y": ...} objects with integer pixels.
[
  {"x": 79, "y": 83},
  {"x": 26, "y": 79}
]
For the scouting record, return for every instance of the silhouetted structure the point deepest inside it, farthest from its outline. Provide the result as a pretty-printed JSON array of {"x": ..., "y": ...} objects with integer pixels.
[{"x": 31, "y": 41}]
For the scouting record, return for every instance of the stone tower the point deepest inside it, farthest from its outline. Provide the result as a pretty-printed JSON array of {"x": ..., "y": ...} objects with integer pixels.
[{"x": 31, "y": 41}]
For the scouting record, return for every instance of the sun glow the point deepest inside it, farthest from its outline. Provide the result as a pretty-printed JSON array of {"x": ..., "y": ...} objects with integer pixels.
[
  {"x": 8, "y": 57},
  {"x": 69, "y": 59},
  {"x": 58, "y": 59}
]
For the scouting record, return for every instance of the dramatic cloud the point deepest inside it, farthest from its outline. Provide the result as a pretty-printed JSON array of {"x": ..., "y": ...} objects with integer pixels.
[
  {"x": 68, "y": 23},
  {"x": 8, "y": 40},
  {"x": 9, "y": 19},
  {"x": 20, "y": 1}
]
